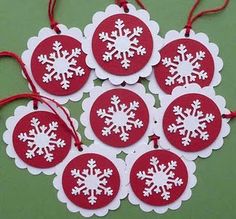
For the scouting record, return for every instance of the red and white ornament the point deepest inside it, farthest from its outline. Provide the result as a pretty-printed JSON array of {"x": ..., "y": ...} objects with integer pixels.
[
  {"x": 119, "y": 118},
  {"x": 186, "y": 60},
  {"x": 91, "y": 182},
  {"x": 38, "y": 140},
  {"x": 121, "y": 46},
  {"x": 190, "y": 121},
  {"x": 56, "y": 64},
  {"x": 159, "y": 179}
]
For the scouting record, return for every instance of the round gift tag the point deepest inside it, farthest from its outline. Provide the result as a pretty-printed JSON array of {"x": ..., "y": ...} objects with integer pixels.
[
  {"x": 117, "y": 46},
  {"x": 56, "y": 64},
  {"x": 186, "y": 60},
  {"x": 190, "y": 121},
  {"x": 91, "y": 182},
  {"x": 159, "y": 179},
  {"x": 118, "y": 117},
  {"x": 37, "y": 139}
]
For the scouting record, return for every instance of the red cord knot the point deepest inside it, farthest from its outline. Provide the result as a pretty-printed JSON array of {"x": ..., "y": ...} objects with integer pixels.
[
  {"x": 231, "y": 115},
  {"x": 123, "y": 4},
  {"x": 188, "y": 28},
  {"x": 154, "y": 139},
  {"x": 78, "y": 145},
  {"x": 54, "y": 26}
]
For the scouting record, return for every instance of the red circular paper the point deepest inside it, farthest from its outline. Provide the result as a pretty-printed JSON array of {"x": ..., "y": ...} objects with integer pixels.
[
  {"x": 137, "y": 61},
  {"x": 24, "y": 126},
  {"x": 143, "y": 164},
  {"x": 80, "y": 163},
  {"x": 213, "y": 128},
  {"x": 38, "y": 69},
  {"x": 170, "y": 51},
  {"x": 126, "y": 97}
]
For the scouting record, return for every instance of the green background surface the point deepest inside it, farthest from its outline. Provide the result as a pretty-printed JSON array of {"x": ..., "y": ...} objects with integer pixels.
[{"x": 23, "y": 196}]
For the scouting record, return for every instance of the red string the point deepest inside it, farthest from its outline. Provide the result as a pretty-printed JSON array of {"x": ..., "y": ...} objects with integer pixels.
[
  {"x": 124, "y": 4},
  {"x": 22, "y": 65},
  {"x": 53, "y": 22},
  {"x": 141, "y": 5},
  {"x": 192, "y": 19},
  {"x": 43, "y": 99},
  {"x": 231, "y": 115},
  {"x": 154, "y": 139}
]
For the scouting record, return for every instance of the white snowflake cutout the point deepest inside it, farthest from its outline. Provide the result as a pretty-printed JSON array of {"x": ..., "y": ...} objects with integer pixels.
[
  {"x": 116, "y": 41},
  {"x": 165, "y": 180},
  {"x": 41, "y": 140},
  {"x": 61, "y": 72},
  {"x": 123, "y": 54},
  {"x": 196, "y": 61},
  {"x": 100, "y": 178},
  {"x": 194, "y": 128},
  {"x": 191, "y": 122},
  {"x": 37, "y": 139},
  {"x": 113, "y": 118},
  {"x": 114, "y": 123},
  {"x": 60, "y": 65}
]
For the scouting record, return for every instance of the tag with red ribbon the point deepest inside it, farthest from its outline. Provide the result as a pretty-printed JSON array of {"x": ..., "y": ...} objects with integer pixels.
[
  {"x": 116, "y": 43},
  {"x": 39, "y": 135},
  {"x": 191, "y": 121},
  {"x": 159, "y": 179},
  {"x": 91, "y": 182},
  {"x": 187, "y": 57},
  {"x": 56, "y": 62},
  {"x": 119, "y": 118}
]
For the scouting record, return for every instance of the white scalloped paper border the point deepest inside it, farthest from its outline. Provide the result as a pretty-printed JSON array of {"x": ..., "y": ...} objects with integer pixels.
[
  {"x": 121, "y": 167},
  {"x": 33, "y": 42},
  {"x": 87, "y": 45},
  {"x": 11, "y": 123},
  {"x": 209, "y": 92},
  {"x": 192, "y": 180},
  {"x": 203, "y": 39},
  {"x": 87, "y": 104}
]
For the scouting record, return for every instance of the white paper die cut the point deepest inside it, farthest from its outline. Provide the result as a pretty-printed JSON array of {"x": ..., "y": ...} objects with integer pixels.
[
  {"x": 177, "y": 92},
  {"x": 106, "y": 86},
  {"x": 114, "y": 204},
  {"x": 12, "y": 121},
  {"x": 87, "y": 47},
  {"x": 33, "y": 42},
  {"x": 199, "y": 37},
  {"x": 192, "y": 180}
]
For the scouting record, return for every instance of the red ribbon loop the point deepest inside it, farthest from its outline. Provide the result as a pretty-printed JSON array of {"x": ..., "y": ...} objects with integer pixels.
[
  {"x": 123, "y": 4},
  {"x": 22, "y": 65},
  {"x": 231, "y": 115},
  {"x": 53, "y": 22},
  {"x": 154, "y": 139},
  {"x": 192, "y": 19},
  {"x": 43, "y": 99}
]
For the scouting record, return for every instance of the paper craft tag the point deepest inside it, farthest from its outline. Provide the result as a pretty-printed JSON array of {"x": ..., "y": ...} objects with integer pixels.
[
  {"x": 37, "y": 139},
  {"x": 186, "y": 60},
  {"x": 56, "y": 64},
  {"x": 159, "y": 179},
  {"x": 117, "y": 46},
  {"x": 190, "y": 121},
  {"x": 91, "y": 182},
  {"x": 119, "y": 117}
]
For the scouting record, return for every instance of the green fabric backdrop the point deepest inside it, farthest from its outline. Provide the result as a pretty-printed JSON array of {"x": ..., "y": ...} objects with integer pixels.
[{"x": 23, "y": 196}]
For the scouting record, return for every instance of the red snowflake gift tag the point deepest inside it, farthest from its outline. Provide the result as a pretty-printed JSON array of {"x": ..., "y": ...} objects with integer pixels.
[
  {"x": 122, "y": 46},
  {"x": 56, "y": 63},
  {"x": 92, "y": 182},
  {"x": 38, "y": 140},
  {"x": 187, "y": 57},
  {"x": 118, "y": 117},
  {"x": 159, "y": 179},
  {"x": 190, "y": 121}
]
